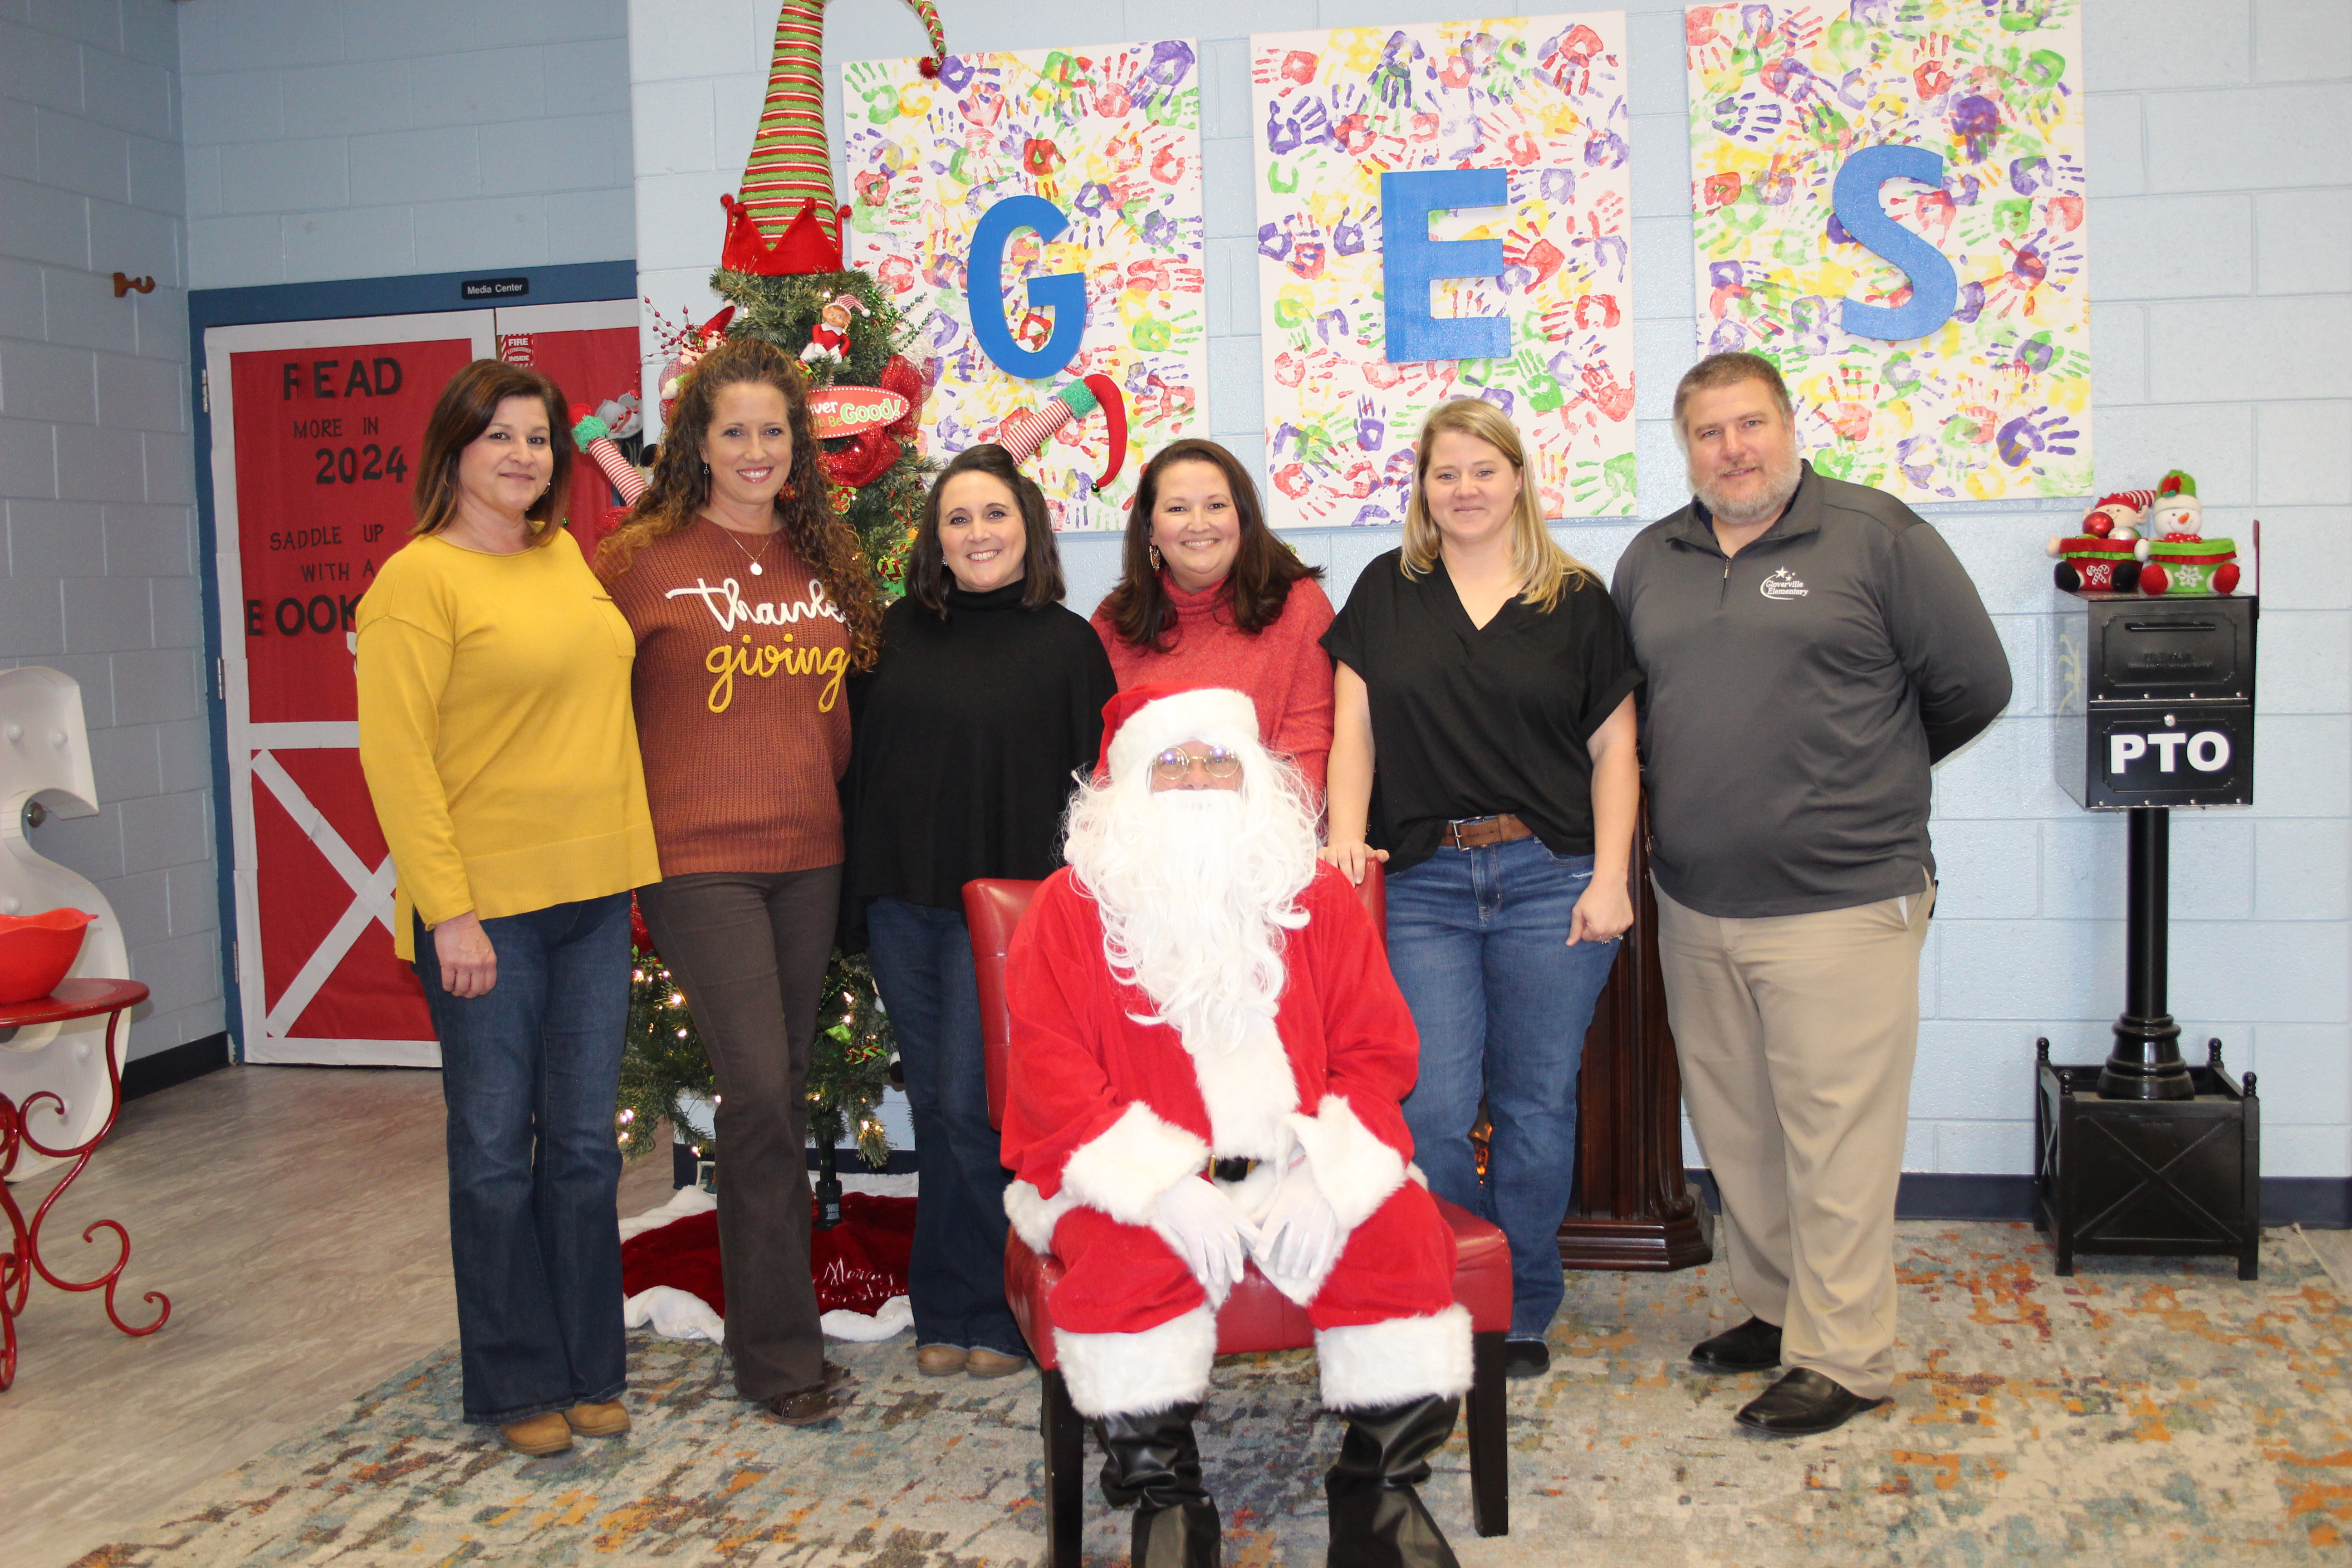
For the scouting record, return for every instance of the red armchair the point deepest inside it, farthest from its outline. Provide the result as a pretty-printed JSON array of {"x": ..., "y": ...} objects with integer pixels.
[{"x": 1256, "y": 1316}]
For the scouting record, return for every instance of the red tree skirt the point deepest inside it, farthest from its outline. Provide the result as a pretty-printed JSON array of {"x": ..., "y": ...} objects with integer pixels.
[{"x": 858, "y": 1264}]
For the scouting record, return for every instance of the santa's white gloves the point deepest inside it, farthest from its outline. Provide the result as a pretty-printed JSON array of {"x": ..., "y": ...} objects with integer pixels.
[
  {"x": 1205, "y": 1228},
  {"x": 1299, "y": 1236}
]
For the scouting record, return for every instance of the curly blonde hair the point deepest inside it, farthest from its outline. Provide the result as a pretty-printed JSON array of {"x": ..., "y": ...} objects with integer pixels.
[{"x": 681, "y": 488}]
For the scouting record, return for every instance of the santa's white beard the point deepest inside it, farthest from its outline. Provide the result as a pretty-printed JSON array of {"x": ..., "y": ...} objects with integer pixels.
[{"x": 1196, "y": 888}]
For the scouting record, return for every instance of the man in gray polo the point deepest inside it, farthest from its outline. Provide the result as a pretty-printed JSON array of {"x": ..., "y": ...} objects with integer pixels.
[{"x": 1812, "y": 648}]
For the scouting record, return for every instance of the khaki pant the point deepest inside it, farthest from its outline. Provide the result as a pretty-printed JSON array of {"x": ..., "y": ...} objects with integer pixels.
[{"x": 1796, "y": 1035}]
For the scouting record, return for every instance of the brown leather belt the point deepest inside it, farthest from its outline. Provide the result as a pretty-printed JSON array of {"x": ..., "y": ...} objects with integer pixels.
[{"x": 1477, "y": 832}]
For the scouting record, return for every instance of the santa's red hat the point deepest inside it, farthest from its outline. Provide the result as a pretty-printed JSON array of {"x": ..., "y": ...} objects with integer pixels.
[{"x": 1142, "y": 721}]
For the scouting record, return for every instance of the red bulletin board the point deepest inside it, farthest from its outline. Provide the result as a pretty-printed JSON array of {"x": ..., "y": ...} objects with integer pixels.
[{"x": 327, "y": 442}]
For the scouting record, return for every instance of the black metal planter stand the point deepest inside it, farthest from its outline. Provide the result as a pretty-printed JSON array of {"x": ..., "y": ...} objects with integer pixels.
[{"x": 2146, "y": 1154}]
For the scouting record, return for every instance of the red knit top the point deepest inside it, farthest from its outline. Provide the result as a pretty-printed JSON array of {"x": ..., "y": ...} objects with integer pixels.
[{"x": 1283, "y": 669}]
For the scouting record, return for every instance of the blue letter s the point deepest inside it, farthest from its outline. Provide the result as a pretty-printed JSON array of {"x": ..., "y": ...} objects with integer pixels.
[
  {"x": 1064, "y": 293},
  {"x": 1934, "y": 287},
  {"x": 1411, "y": 261}
]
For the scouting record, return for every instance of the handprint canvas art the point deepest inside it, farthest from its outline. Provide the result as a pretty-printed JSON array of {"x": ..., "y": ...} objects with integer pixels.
[
  {"x": 1110, "y": 135},
  {"x": 1542, "y": 100},
  {"x": 1993, "y": 399}
]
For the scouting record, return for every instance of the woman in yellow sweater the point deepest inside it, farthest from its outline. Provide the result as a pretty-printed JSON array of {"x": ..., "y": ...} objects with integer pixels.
[{"x": 501, "y": 751}]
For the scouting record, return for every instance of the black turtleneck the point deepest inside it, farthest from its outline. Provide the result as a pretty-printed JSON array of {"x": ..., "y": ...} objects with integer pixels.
[{"x": 964, "y": 739}]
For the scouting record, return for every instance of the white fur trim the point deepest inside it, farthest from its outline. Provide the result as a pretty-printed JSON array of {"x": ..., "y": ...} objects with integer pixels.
[
  {"x": 1214, "y": 714},
  {"x": 1356, "y": 1171},
  {"x": 1248, "y": 1088},
  {"x": 1123, "y": 1171},
  {"x": 1034, "y": 1214},
  {"x": 1373, "y": 1365},
  {"x": 1139, "y": 1374}
]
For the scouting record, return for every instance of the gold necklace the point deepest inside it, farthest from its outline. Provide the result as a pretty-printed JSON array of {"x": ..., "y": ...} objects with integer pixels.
[{"x": 757, "y": 570}]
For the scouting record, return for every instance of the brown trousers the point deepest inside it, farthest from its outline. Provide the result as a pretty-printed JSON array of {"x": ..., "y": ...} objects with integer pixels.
[
  {"x": 1796, "y": 1035},
  {"x": 748, "y": 951}
]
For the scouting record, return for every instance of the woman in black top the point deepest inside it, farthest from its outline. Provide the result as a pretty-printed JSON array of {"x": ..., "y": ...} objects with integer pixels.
[
  {"x": 1484, "y": 747},
  {"x": 987, "y": 697}
]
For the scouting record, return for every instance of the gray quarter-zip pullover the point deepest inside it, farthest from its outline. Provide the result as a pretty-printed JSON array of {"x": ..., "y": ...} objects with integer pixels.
[{"x": 1796, "y": 694}]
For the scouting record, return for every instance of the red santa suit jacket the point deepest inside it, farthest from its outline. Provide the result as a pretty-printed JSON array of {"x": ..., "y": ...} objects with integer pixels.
[{"x": 1105, "y": 1112}]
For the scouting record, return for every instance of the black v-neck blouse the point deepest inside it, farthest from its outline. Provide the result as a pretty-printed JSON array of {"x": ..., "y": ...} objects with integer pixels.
[{"x": 1470, "y": 720}]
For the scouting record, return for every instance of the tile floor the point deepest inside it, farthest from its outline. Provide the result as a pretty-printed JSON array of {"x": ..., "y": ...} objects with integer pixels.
[{"x": 296, "y": 1218}]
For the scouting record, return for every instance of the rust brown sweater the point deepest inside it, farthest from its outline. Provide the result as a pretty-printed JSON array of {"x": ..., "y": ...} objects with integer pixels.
[{"x": 738, "y": 699}]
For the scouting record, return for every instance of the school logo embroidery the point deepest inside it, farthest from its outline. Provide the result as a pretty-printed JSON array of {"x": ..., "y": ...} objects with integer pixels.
[{"x": 1783, "y": 585}]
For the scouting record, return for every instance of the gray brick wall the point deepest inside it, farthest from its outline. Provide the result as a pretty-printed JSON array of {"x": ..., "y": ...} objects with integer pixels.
[
  {"x": 331, "y": 139},
  {"x": 96, "y": 473}
]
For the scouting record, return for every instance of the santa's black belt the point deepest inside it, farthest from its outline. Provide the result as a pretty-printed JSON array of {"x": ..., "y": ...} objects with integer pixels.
[{"x": 1232, "y": 1170}]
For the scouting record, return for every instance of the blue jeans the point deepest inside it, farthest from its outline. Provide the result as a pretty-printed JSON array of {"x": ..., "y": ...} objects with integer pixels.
[
  {"x": 1478, "y": 940},
  {"x": 922, "y": 966},
  {"x": 530, "y": 1072}
]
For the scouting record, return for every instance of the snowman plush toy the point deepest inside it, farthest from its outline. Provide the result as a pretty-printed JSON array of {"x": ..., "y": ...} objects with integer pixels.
[{"x": 2175, "y": 558}]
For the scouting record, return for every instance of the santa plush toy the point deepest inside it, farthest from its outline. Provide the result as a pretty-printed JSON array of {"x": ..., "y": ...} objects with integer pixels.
[
  {"x": 2099, "y": 559},
  {"x": 2175, "y": 556},
  {"x": 2117, "y": 515},
  {"x": 1208, "y": 1062}
]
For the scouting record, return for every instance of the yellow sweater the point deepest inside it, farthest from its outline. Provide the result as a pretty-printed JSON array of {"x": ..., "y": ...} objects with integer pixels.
[{"x": 497, "y": 734}]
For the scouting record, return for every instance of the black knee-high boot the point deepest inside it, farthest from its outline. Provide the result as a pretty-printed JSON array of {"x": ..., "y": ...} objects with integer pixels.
[
  {"x": 1378, "y": 1521},
  {"x": 1152, "y": 1463}
]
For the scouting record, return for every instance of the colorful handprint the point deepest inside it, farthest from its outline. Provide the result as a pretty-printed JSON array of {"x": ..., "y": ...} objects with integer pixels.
[
  {"x": 1110, "y": 135},
  {"x": 1541, "y": 98},
  {"x": 1996, "y": 400}
]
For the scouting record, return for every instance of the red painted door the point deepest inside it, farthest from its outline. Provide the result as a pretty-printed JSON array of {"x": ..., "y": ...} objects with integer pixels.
[{"x": 317, "y": 430}]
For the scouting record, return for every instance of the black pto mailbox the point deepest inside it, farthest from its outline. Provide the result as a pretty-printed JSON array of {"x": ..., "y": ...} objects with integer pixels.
[
  {"x": 2155, "y": 700},
  {"x": 2143, "y": 1152}
]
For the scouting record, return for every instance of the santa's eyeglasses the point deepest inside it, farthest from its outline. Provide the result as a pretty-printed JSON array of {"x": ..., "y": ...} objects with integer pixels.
[{"x": 1175, "y": 766}]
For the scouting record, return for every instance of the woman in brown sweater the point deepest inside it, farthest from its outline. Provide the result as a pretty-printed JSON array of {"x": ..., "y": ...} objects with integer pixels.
[{"x": 750, "y": 603}]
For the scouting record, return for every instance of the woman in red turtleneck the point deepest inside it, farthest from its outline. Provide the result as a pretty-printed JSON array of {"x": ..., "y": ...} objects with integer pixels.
[{"x": 1209, "y": 596}]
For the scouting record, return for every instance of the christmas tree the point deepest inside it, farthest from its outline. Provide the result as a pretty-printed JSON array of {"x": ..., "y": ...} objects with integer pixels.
[{"x": 665, "y": 1077}]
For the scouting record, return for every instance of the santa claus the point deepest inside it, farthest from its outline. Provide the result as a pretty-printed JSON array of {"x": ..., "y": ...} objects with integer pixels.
[{"x": 1208, "y": 1058}]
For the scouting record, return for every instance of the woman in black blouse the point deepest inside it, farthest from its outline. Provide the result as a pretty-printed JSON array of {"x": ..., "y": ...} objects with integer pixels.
[
  {"x": 987, "y": 697},
  {"x": 1484, "y": 747}
]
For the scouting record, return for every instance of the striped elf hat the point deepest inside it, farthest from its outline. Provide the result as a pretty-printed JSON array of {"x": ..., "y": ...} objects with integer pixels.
[{"x": 785, "y": 220}]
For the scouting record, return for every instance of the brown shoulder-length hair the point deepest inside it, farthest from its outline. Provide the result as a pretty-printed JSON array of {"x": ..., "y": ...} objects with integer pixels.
[
  {"x": 467, "y": 405},
  {"x": 1256, "y": 588},
  {"x": 681, "y": 487},
  {"x": 928, "y": 577}
]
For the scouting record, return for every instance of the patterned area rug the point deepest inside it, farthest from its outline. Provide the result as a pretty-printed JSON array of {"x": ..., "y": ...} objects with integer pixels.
[{"x": 2149, "y": 1412}]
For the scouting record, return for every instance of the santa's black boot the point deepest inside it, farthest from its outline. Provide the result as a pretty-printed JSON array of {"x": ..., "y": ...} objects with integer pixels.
[
  {"x": 1153, "y": 1463},
  {"x": 1377, "y": 1519}
]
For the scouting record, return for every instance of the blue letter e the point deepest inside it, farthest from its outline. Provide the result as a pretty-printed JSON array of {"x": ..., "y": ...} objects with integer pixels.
[
  {"x": 1934, "y": 287},
  {"x": 1411, "y": 261},
  {"x": 1064, "y": 293}
]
